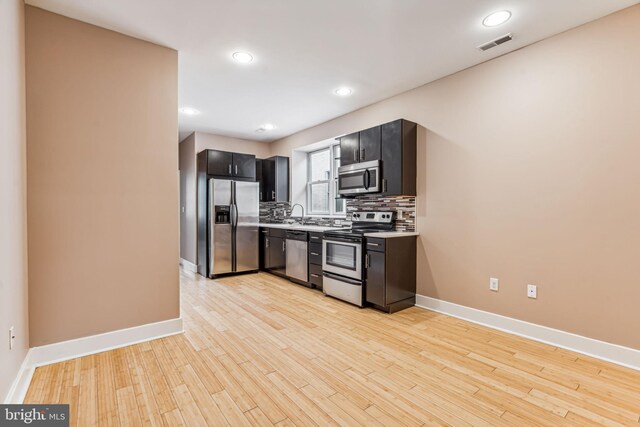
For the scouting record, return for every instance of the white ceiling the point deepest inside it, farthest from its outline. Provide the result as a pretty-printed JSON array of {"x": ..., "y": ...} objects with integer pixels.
[{"x": 305, "y": 49}]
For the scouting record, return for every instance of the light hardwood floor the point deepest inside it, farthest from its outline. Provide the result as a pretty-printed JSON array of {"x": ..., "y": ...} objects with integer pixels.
[{"x": 259, "y": 350}]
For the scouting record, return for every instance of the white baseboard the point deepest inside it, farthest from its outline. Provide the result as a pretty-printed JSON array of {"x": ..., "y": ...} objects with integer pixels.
[
  {"x": 189, "y": 266},
  {"x": 613, "y": 353},
  {"x": 20, "y": 385},
  {"x": 66, "y": 350}
]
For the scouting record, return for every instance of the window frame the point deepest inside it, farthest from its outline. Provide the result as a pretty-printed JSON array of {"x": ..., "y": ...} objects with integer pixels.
[{"x": 331, "y": 183}]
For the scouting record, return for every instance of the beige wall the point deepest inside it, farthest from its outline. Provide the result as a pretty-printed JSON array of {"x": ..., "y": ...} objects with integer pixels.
[
  {"x": 206, "y": 141},
  {"x": 13, "y": 194},
  {"x": 189, "y": 147},
  {"x": 188, "y": 199},
  {"x": 102, "y": 179},
  {"x": 530, "y": 175}
]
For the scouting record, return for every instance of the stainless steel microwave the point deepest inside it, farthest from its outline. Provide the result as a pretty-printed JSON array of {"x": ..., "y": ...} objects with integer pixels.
[{"x": 359, "y": 178}]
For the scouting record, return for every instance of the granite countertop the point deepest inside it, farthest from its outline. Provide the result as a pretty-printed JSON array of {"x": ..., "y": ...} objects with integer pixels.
[
  {"x": 391, "y": 234},
  {"x": 317, "y": 228}
]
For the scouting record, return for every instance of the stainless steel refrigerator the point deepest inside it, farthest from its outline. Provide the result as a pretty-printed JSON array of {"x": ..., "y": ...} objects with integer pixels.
[{"x": 232, "y": 226}]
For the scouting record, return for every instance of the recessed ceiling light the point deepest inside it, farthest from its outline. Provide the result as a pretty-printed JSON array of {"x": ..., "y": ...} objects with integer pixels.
[
  {"x": 242, "y": 57},
  {"x": 265, "y": 127},
  {"x": 496, "y": 18},
  {"x": 343, "y": 91},
  {"x": 189, "y": 111}
]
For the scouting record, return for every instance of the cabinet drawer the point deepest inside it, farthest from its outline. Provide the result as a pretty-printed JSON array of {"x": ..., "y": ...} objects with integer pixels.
[
  {"x": 374, "y": 244},
  {"x": 315, "y": 237},
  {"x": 315, "y": 275},
  {"x": 315, "y": 253},
  {"x": 278, "y": 232}
]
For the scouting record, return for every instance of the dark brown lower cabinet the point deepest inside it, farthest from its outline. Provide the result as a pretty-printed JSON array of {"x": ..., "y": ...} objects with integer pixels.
[
  {"x": 264, "y": 252},
  {"x": 315, "y": 259},
  {"x": 275, "y": 252},
  {"x": 390, "y": 273}
]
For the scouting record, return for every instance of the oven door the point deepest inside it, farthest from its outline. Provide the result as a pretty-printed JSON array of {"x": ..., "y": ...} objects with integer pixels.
[
  {"x": 359, "y": 178},
  {"x": 343, "y": 257}
]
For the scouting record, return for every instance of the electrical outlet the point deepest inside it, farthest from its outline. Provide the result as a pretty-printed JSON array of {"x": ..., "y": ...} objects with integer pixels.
[
  {"x": 493, "y": 284},
  {"x": 532, "y": 291},
  {"x": 12, "y": 336}
]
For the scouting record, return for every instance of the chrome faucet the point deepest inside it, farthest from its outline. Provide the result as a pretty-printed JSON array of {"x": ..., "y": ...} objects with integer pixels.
[{"x": 301, "y": 207}]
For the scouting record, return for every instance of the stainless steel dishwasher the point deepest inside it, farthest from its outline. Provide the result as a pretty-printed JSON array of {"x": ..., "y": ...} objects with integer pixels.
[{"x": 297, "y": 256}]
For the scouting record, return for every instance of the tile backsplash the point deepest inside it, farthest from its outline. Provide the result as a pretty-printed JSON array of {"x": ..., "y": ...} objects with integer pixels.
[
  {"x": 403, "y": 206},
  {"x": 278, "y": 212}
]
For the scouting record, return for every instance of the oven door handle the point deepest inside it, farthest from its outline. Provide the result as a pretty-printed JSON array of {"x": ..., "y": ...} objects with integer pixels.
[
  {"x": 351, "y": 241},
  {"x": 342, "y": 279}
]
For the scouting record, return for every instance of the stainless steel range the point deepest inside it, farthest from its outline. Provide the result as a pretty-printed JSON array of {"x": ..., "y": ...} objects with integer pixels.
[{"x": 343, "y": 260}]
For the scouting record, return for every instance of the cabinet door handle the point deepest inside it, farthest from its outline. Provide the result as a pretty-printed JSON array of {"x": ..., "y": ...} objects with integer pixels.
[
  {"x": 373, "y": 244},
  {"x": 284, "y": 246},
  {"x": 266, "y": 242},
  {"x": 366, "y": 261},
  {"x": 384, "y": 185},
  {"x": 229, "y": 168},
  {"x": 314, "y": 275},
  {"x": 273, "y": 194},
  {"x": 261, "y": 196},
  {"x": 355, "y": 154},
  {"x": 236, "y": 169},
  {"x": 362, "y": 154},
  {"x": 315, "y": 254}
]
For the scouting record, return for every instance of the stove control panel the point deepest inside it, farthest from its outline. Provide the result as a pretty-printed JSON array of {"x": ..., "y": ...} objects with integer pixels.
[{"x": 369, "y": 216}]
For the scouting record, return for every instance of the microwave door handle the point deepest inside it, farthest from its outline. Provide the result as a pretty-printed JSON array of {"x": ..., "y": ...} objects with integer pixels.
[{"x": 366, "y": 179}]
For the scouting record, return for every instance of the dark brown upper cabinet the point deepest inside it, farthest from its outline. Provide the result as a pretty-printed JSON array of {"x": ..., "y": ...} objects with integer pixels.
[
  {"x": 219, "y": 163},
  {"x": 225, "y": 164},
  {"x": 274, "y": 181},
  {"x": 395, "y": 144},
  {"x": 399, "y": 145},
  {"x": 358, "y": 147},
  {"x": 349, "y": 149},
  {"x": 244, "y": 166},
  {"x": 370, "y": 144}
]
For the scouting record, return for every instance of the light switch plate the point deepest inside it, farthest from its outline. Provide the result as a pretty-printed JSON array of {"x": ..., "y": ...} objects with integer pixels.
[
  {"x": 532, "y": 291},
  {"x": 494, "y": 284}
]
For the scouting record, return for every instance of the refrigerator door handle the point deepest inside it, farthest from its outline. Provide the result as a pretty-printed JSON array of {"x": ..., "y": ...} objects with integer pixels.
[
  {"x": 210, "y": 225},
  {"x": 233, "y": 216},
  {"x": 234, "y": 225},
  {"x": 237, "y": 215}
]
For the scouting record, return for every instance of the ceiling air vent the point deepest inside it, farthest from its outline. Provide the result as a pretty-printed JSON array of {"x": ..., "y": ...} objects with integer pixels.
[{"x": 496, "y": 42}]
